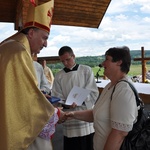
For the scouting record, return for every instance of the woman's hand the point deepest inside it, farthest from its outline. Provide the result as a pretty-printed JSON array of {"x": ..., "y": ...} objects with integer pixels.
[{"x": 70, "y": 115}]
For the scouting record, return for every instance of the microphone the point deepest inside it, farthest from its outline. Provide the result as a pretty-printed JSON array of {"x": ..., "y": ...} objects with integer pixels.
[{"x": 100, "y": 65}]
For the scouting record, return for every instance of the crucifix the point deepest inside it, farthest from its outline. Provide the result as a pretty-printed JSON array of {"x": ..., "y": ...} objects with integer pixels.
[{"x": 143, "y": 61}]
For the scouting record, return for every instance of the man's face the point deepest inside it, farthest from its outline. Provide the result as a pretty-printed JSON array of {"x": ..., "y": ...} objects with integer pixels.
[
  {"x": 37, "y": 40},
  {"x": 67, "y": 60}
]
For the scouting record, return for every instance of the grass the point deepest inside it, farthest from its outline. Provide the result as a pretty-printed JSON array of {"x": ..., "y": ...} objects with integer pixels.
[{"x": 134, "y": 70}]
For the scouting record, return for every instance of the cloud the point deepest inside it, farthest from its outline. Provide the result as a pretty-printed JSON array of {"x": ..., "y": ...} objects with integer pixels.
[
  {"x": 126, "y": 22},
  {"x": 6, "y": 30}
]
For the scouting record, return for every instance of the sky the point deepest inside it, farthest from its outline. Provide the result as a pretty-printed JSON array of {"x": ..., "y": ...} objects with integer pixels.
[{"x": 126, "y": 23}]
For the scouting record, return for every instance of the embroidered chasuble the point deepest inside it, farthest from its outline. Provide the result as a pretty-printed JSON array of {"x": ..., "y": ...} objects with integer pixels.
[{"x": 24, "y": 110}]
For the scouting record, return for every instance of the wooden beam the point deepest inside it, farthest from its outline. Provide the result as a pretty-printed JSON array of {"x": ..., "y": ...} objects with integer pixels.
[
  {"x": 139, "y": 59},
  {"x": 49, "y": 60}
]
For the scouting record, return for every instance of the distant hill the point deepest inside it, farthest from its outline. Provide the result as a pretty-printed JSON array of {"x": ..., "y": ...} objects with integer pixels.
[
  {"x": 137, "y": 53},
  {"x": 93, "y": 61}
]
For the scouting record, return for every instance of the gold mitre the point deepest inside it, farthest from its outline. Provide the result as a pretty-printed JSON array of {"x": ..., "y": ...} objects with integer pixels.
[{"x": 40, "y": 16}]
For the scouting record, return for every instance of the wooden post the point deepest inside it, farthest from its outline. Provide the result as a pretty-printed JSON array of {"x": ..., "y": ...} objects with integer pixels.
[
  {"x": 143, "y": 65},
  {"x": 143, "y": 61}
]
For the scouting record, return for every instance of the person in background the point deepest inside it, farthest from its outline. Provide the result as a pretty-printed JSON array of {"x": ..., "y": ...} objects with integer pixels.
[
  {"x": 116, "y": 110},
  {"x": 27, "y": 118},
  {"x": 43, "y": 83},
  {"x": 78, "y": 135},
  {"x": 48, "y": 73},
  {"x": 148, "y": 75}
]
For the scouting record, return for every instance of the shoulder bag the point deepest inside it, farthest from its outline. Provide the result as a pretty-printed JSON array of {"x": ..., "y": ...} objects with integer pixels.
[{"x": 139, "y": 137}]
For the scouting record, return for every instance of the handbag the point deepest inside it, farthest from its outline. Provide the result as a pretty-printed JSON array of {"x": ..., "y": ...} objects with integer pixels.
[{"x": 139, "y": 137}]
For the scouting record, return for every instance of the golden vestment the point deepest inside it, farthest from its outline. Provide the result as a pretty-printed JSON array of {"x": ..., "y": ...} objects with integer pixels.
[{"x": 24, "y": 110}]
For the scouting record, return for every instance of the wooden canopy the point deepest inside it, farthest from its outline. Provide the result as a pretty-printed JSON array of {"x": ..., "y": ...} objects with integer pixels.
[{"x": 81, "y": 13}]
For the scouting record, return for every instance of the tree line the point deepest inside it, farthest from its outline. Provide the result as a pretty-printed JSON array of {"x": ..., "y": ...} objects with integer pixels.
[{"x": 94, "y": 61}]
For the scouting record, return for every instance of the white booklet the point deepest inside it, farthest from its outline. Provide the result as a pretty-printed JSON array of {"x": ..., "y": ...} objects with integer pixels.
[{"x": 77, "y": 95}]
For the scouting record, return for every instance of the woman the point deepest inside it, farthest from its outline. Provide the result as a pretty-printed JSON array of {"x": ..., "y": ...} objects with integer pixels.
[{"x": 115, "y": 111}]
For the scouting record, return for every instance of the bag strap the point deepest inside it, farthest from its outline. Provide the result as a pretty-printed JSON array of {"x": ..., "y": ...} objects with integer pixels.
[{"x": 139, "y": 102}]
